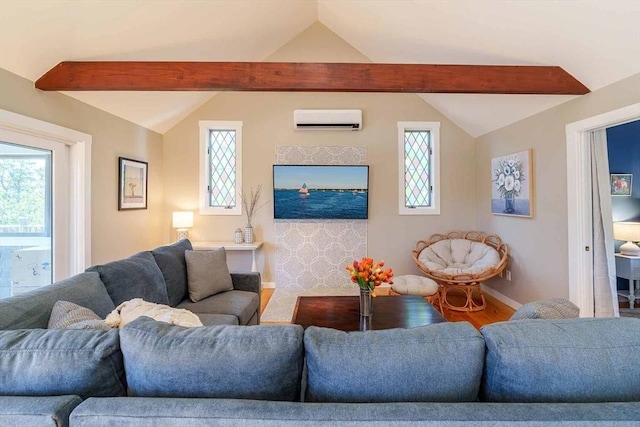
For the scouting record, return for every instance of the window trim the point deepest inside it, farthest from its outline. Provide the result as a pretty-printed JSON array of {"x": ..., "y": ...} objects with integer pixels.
[
  {"x": 434, "y": 129},
  {"x": 76, "y": 247},
  {"x": 206, "y": 126}
]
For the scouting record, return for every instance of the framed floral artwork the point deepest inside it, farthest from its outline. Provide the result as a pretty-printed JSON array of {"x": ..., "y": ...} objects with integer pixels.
[
  {"x": 621, "y": 184},
  {"x": 512, "y": 184},
  {"x": 132, "y": 184}
]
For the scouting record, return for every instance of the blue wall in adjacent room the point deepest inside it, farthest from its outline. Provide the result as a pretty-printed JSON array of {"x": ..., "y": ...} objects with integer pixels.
[{"x": 623, "y": 148}]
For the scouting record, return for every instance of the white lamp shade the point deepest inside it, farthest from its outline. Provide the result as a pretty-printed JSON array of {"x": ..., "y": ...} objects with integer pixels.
[
  {"x": 183, "y": 219},
  {"x": 629, "y": 232}
]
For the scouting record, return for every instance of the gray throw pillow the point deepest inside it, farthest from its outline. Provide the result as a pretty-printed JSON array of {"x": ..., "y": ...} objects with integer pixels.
[
  {"x": 67, "y": 315},
  {"x": 207, "y": 273},
  {"x": 553, "y": 308}
]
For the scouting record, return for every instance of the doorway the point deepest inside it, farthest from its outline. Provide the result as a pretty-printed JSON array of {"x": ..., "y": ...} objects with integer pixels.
[
  {"x": 28, "y": 190},
  {"x": 580, "y": 221},
  {"x": 47, "y": 230}
]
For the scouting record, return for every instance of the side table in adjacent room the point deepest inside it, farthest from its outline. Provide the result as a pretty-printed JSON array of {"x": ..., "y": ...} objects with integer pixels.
[{"x": 628, "y": 267}]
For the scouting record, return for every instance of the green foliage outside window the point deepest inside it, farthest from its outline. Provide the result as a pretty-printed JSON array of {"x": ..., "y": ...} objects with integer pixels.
[{"x": 22, "y": 194}]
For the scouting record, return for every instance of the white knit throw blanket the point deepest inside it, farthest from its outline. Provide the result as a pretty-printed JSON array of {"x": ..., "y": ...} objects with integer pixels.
[{"x": 132, "y": 309}]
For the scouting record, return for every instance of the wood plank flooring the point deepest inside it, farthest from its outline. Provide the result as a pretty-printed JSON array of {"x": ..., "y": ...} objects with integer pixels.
[{"x": 496, "y": 311}]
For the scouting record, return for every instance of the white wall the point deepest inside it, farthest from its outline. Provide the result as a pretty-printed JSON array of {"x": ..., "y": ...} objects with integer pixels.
[
  {"x": 538, "y": 246},
  {"x": 268, "y": 121},
  {"x": 115, "y": 234}
]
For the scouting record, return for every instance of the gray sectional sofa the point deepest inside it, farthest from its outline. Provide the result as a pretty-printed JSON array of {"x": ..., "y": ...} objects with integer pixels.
[
  {"x": 158, "y": 276},
  {"x": 522, "y": 372},
  {"x": 573, "y": 372}
]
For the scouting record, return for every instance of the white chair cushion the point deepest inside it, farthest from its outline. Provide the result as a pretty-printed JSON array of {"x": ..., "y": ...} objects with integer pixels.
[
  {"x": 414, "y": 285},
  {"x": 459, "y": 256}
]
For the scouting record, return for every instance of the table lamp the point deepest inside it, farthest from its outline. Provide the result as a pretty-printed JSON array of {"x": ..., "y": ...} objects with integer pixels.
[
  {"x": 182, "y": 221},
  {"x": 630, "y": 232}
]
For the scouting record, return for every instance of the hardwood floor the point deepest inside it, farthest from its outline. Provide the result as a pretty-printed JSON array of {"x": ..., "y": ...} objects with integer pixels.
[
  {"x": 496, "y": 311},
  {"x": 265, "y": 296}
]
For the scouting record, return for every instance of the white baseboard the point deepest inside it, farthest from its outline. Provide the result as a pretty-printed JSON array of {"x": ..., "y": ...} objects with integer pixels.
[
  {"x": 268, "y": 285},
  {"x": 502, "y": 298}
]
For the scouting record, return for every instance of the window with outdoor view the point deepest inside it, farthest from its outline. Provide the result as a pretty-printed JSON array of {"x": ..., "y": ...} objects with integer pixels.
[
  {"x": 418, "y": 156},
  {"x": 220, "y": 167}
]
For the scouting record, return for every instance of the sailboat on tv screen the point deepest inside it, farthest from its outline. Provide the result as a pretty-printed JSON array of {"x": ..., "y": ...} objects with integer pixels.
[{"x": 304, "y": 190}]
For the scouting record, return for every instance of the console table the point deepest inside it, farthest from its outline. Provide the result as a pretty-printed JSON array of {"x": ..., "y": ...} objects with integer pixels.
[
  {"x": 231, "y": 246},
  {"x": 628, "y": 267}
]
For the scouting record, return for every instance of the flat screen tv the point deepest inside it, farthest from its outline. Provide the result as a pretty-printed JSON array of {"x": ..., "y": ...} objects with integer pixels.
[{"x": 320, "y": 192}]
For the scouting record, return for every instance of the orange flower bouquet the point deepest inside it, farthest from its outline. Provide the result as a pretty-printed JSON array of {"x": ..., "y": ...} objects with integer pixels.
[{"x": 368, "y": 274}]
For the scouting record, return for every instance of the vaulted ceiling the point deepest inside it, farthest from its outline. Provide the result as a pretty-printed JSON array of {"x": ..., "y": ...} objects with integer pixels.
[{"x": 596, "y": 41}]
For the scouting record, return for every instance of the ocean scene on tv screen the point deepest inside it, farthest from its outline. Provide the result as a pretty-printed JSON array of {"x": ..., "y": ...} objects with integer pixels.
[{"x": 320, "y": 192}]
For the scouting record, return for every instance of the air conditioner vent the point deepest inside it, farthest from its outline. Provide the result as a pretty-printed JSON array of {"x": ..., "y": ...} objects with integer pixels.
[{"x": 327, "y": 119}]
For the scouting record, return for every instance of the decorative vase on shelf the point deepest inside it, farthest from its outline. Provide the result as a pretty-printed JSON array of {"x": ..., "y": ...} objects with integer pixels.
[
  {"x": 238, "y": 237},
  {"x": 366, "y": 303},
  {"x": 509, "y": 205},
  {"x": 248, "y": 234}
]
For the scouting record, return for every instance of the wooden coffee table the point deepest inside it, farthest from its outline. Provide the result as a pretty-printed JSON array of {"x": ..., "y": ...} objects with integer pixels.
[{"x": 343, "y": 313}]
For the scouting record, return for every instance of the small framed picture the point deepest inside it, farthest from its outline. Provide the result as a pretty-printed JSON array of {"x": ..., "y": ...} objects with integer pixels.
[
  {"x": 621, "y": 184},
  {"x": 132, "y": 184}
]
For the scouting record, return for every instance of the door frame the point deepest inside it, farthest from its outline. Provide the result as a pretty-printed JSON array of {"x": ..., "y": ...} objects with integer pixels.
[
  {"x": 579, "y": 217},
  {"x": 79, "y": 191}
]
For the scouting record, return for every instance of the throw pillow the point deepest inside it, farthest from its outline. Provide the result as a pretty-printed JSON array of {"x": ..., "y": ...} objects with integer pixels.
[
  {"x": 170, "y": 259},
  {"x": 207, "y": 273},
  {"x": 67, "y": 315},
  {"x": 54, "y": 362},
  {"x": 553, "y": 308},
  {"x": 233, "y": 362},
  {"x": 135, "y": 277}
]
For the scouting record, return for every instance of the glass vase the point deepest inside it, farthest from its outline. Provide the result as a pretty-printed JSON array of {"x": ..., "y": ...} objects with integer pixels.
[
  {"x": 509, "y": 205},
  {"x": 366, "y": 303}
]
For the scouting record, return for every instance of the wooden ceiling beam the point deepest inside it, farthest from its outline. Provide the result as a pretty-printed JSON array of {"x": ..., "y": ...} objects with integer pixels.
[{"x": 309, "y": 77}]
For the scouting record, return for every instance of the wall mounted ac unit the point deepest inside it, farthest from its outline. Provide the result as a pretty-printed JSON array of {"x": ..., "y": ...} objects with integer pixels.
[{"x": 327, "y": 119}]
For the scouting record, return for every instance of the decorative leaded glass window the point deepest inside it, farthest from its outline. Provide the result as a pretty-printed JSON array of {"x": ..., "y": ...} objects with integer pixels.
[
  {"x": 418, "y": 144},
  {"x": 220, "y": 160}
]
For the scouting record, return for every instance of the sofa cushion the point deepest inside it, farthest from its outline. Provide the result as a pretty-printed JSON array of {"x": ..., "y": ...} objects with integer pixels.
[
  {"x": 553, "y": 308},
  {"x": 209, "y": 319},
  {"x": 436, "y": 363},
  {"x": 135, "y": 277},
  {"x": 67, "y": 315},
  {"x": 33, "y": 309},
  {"x": 21, "y": 411},
  {"x": 564, "y": 360},
  {"x": 39, "y": 362},
  {"x": 241, "y": 304},
  {"x": 207, "y": 273},
  {"x": 170, "y": 259},
  {"x": 256, "y": 362}
]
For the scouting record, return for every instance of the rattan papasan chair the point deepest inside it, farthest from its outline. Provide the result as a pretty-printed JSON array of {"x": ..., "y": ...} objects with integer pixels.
[{"x": 459, "y": 261}]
